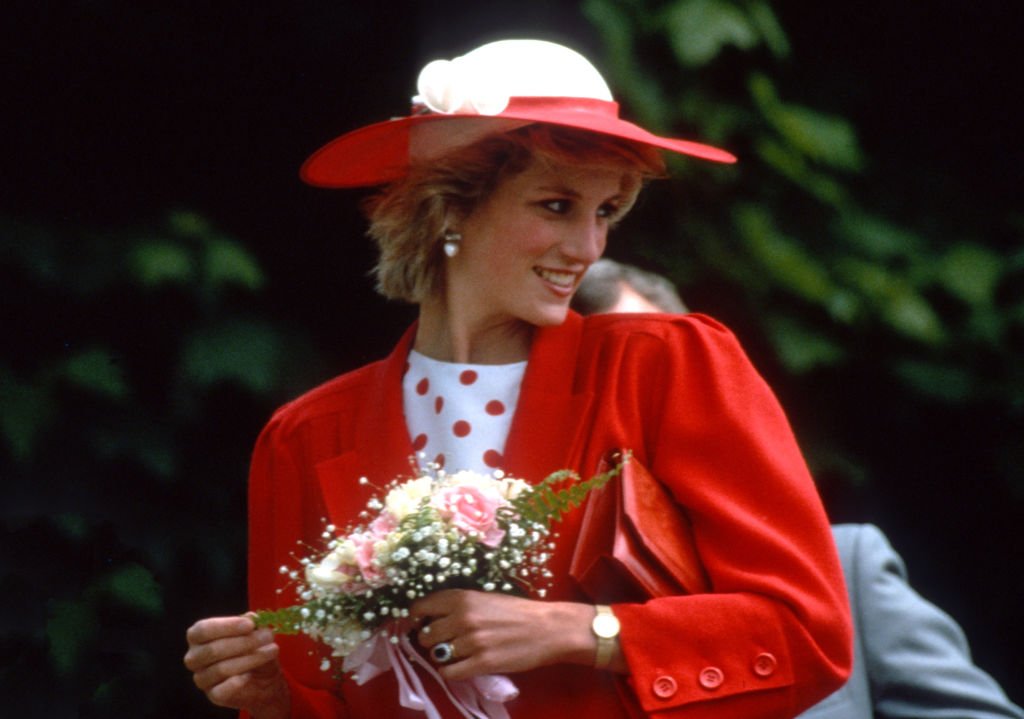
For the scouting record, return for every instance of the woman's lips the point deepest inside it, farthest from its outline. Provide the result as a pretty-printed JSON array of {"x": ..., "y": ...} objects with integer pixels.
[{"x": 562, "y": 280}]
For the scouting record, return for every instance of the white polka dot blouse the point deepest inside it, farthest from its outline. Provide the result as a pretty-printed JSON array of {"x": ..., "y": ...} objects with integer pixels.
[{"x": 459, "y": 415}]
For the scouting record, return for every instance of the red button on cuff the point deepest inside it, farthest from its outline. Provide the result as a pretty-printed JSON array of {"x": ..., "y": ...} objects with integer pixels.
[
  {"x": 765, "y": 664},
  {"x": 665, "y": 687},
  {"x": 711, "y": 677}
]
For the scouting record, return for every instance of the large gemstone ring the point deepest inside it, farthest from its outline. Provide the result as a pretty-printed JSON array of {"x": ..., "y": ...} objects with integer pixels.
[{"x": 442, "y": 653}]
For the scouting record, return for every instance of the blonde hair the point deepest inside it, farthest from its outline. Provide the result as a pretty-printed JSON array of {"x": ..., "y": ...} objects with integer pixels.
[{"x": 409, "y": 217}]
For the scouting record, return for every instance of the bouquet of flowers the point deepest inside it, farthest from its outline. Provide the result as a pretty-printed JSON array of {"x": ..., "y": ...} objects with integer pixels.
[{"x": 435, "y": 531}]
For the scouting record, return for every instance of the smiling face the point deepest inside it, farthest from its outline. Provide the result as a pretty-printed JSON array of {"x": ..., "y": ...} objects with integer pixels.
[{"x": 526, "y": 247}]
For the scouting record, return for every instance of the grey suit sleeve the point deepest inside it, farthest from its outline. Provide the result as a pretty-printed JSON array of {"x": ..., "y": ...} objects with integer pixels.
[{"x": 916, "y": 656}]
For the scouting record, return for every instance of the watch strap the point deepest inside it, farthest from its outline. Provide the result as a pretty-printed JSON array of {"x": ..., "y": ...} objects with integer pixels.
[{"x": 605, "y": 640}]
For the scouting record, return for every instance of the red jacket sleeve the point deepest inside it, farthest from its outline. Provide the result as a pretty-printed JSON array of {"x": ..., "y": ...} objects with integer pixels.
[
  {"x": 282, "y": 510},
  {"x": 775, "y": 635}
]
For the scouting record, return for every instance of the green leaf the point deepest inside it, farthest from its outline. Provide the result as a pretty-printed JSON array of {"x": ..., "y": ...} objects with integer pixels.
[
  {"x": 138, "y": 439},
  {"x": 767, "y": 24},
  {"x": 25, "y": 410},
  {"x": 288, "y": 620},
  {"x": 826, "y": 139},
  {"x": 972, "y": 272},
  {"x": 781, "y": 256},
  {"x": 559, "y": 492},
  {"x": 879, "y": 238},
  {"x": 184, "y": 223},
  {"x": 248, "y": 353},
  {"x": 910, "y": 314},
  {"x": 615, "y": 27},
  {"x": 699, "y": 29},
  {"x": 792, "y": 165},
  {"x": 897, "y": 303},
  {"x": 943, "y": 382},
  {"x": 72, "y": 525},
  {"x": 228, "y": 263},
  {"x": 97, "y": 371},
  {"x": 802, "y": 349},
  {"x": 134, "y": 586},
  {"x": 160, "y": 262},
  {"x": 70, "y": 628}
]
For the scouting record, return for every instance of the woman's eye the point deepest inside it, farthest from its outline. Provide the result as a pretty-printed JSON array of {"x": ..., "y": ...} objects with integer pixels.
[
  {"x": 557, "y": 206},
  {"x": 608, "y": 211}
]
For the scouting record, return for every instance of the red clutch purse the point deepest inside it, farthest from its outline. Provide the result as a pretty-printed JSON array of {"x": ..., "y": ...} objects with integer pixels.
[{"x": 635, "y": 541}]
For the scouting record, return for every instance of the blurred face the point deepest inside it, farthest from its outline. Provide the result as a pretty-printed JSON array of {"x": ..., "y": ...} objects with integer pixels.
[
  {"x": 525, "y": 249},
  {"x": 630, "y": 301}
]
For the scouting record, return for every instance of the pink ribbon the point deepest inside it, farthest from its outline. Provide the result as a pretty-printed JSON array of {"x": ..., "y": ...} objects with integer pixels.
[{"x": 481, "y": 697}]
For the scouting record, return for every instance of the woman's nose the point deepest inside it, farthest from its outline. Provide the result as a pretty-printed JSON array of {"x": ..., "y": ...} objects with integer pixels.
[{"x": 587, "y": 242}]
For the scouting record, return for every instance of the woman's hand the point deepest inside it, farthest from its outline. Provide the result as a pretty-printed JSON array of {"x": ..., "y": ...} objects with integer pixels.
[
  {"x": 498, "y": 634},
  {"x": 236, "y": 666}
]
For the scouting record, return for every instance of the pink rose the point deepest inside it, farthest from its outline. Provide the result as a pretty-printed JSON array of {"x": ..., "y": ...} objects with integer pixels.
[
  {"x": 365, "y": 555},
  {"x": 383, "y": 525},
  {"x": 471, "y": 510}
]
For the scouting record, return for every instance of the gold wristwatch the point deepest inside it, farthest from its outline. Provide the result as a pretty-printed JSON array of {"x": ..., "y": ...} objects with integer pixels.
[{"x": 606, "y": 628}]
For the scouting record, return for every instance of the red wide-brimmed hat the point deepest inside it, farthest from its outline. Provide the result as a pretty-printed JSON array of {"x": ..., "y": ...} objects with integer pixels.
[{"x": 494, "y": 88}]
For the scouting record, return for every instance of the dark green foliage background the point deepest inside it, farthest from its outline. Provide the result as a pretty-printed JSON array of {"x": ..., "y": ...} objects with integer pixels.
[{"x": 165, "y": 282}]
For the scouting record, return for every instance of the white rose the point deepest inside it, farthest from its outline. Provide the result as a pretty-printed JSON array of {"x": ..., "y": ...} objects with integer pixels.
[
  {"x": 326, "y": 574},
  {"x": 406, "y": 498},
  {"x": 487, "y": 485},
  {"x": 346, "y": 552},
  {"x": 512, "y": 488}
]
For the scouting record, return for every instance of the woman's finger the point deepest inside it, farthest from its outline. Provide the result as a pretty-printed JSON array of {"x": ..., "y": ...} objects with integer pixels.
[
  {"x": 211, "y": 676},
  {"x": 207, "y": 630},
  {"x": 435, "y": 632},
  {"x": 201, "y": 656},
  {"x": 438, "y": 604}
]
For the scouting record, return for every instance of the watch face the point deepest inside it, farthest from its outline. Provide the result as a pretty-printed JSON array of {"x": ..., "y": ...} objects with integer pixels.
[{"x": 606, "y": 626}]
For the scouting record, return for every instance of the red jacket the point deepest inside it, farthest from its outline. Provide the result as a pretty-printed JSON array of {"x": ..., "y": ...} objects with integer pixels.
[{"x": 774, "y": 636}]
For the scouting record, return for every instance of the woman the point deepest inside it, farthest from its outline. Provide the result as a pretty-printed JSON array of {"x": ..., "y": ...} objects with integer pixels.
[{"x": 500, "y": 191}]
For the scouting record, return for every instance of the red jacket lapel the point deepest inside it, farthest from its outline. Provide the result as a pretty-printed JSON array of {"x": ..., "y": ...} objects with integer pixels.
[{"x": 546, "y": 432}]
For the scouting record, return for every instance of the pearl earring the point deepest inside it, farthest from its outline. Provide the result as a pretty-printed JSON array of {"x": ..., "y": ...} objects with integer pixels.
[{"x": 451, "y": 242}]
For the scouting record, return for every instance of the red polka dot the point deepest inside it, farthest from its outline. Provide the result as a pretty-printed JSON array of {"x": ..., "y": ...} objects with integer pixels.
[
  {"x": 461, "y": 428},
  {"x": 493, "y": 458},
  {"x": 438, "y": 405},
  {"x": 420, "y": 442},
  {"x": 468, "y": 376},
  {"x": 423, "y": 386},
  {"x": 439, "y": 459},
  {"x": 494, "y": 407}
]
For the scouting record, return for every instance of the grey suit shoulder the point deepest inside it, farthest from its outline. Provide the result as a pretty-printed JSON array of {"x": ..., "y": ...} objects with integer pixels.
[{"x": 911, "y": 659}]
